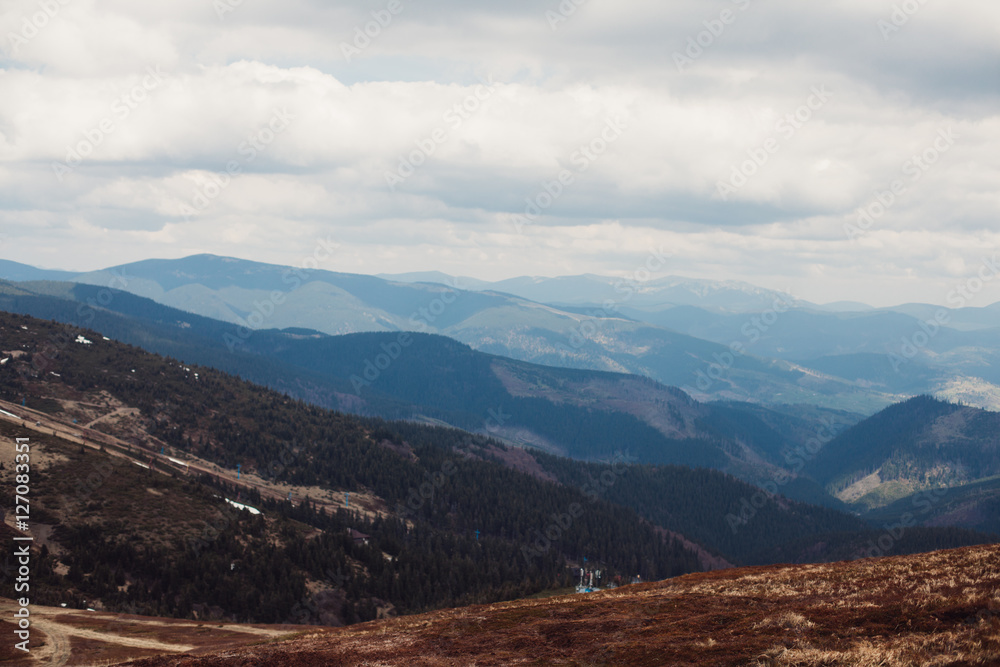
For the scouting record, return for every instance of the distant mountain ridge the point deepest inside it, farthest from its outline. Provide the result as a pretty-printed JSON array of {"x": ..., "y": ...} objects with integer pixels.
[
  {"x": 16, "y": 271},
  {"x": 639, "y": 290},
  {"x": 719, "y": 340},
  {"x": 576, "y": 413},
  {"x": 254, "y": 296},
  {"x": 960, "y": 361},
  {"x": 572, "y": 412},
  {"x": 579, "y": 413}
]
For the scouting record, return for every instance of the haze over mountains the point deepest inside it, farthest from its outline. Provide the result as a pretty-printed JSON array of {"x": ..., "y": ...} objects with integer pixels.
[
  {"x": 582, "y": 414},
  {"x": 573, "y": 412},
  {"x": 150, "y": 405},
  {"x": 716, "y": 340},
  {"x": 431, "y": 318},
  {"x": 542, "y": 469},
  {"x": 844, "y": 339}
]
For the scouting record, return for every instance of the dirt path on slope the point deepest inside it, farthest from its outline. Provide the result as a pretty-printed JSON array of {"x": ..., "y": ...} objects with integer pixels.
[
  {"x": 128, "y": 412},
  {"x": 59, "y": 648}
]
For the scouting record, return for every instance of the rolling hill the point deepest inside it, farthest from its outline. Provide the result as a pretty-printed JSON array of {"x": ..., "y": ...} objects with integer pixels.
[
  {"x": 975, "y": 506},
  {"x": 884, "y": 349},
  {"x": 170, "y": 416},
  {"x": 917, "y": 445},
  {"x": 570, "y": 412},
  {"x": 678, "y": 331},
  {"x": 258, "y": 296}
]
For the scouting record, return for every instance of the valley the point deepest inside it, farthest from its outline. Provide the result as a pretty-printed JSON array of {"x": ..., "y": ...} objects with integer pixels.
[
  {"x": 499, "y": 333},
  {"x": 374, "y": 499}
]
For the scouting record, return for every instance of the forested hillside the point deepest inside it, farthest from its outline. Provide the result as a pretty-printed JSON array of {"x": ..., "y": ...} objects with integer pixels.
[
  {"x": 919, "y": 444},
  {"x": 571, "y": 412},
  {"x": 449, "y": 517},
  {"x": 463, "y": 539}
]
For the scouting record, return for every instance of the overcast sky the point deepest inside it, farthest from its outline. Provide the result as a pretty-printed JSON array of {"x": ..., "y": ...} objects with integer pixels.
[{"x": 742, "y": 136}]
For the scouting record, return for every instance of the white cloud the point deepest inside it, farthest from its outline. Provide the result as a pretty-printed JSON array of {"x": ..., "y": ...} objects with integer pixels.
[{"x": 223, "y": 80}]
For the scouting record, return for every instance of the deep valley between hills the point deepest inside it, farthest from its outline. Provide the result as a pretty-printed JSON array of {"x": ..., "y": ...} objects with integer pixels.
[
  {"x": 143, "y": 463},
  {"x": 467, "y": 334}
]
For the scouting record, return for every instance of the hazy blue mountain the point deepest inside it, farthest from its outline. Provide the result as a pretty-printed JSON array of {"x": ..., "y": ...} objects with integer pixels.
[
  {"x": 968, "y": 318},
  {"x": 914, "y": 446},
  {"x": 844, "y": 307},
  {"x": 271, "y": 296},
  {"x": 638, "y": 290},
  {"x": 801, "y": 335},
  {"x": 677, "y": 331},
  {"x": 257, "y": 295},
  {"x": 885, "y": 350},
  {"x": 882, "y": 349},
  {"x": 436, "y": 277},
  {"x": 16, "y": 271},
  {"x": 582, "y": 414},
  {"x": 876, "y": 369},
  {"x": 206, "y": 418}
]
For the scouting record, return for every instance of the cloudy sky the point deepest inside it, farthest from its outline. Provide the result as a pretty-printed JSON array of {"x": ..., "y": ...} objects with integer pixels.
[{"x": 502, "y": 139}]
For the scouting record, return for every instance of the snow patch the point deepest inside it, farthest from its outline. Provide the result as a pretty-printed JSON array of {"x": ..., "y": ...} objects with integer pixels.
[{"x": 241, "y": 506}]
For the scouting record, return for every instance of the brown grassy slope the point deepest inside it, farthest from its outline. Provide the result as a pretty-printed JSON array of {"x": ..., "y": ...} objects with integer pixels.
[
  {"x": 69, "y": 637},
  {"x": 941, "y": 608}
]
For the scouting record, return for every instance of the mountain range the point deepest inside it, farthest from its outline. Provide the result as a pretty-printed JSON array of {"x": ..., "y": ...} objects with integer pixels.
[
  {"x": 572, "y": 412},
  {"x": 716, "y": 340},
  {"x": 820, "y": 455},
  {"x": 147, "y": 467},
  {"x": 494, "y": 479}
]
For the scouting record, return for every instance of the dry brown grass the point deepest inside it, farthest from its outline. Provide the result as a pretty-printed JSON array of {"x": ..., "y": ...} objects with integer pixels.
[
  {"x": 789, "y": 620},
  {"x": 912, "y": 610}
]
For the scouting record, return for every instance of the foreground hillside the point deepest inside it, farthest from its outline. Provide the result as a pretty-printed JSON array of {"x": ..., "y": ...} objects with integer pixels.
[
  {"x": 941, "y": 608},
  {"x": 134, "y": 457},
  {"x": 77, "y": 637}
]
